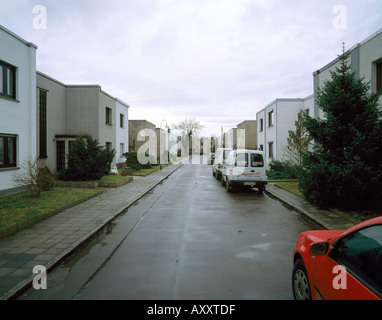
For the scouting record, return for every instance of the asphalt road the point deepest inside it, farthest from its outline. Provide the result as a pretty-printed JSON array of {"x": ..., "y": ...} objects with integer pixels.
[{"x": 187, "y": 239}]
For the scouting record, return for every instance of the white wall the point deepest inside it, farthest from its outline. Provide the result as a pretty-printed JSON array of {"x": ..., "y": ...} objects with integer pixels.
[
  {"x": 18, "y": 117},
  {"x": 122, "y": 134}
]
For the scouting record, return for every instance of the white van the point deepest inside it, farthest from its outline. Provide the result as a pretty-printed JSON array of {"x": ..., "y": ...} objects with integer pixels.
[
  {"x": 245, "y": 168},
  {"x": 221, "y": 155}
]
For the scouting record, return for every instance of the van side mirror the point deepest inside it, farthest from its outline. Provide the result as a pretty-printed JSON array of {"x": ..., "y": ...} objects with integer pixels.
[{"x": 319, "y": 249}]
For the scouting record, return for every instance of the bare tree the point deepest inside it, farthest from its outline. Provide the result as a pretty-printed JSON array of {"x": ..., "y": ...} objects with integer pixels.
[
  {"x": 298, "y": 141},
  {"x": 188, "y": 126},
  {"x": 34, "y": 175}
]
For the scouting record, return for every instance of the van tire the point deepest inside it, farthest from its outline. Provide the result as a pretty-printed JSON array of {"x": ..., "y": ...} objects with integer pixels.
[
  {"x": 228, "y": 186},
  {"x": 223, "y": 182}
]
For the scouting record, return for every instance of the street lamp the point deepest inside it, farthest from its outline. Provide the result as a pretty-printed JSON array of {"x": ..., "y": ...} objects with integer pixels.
[{"x": 160, "y": 143}]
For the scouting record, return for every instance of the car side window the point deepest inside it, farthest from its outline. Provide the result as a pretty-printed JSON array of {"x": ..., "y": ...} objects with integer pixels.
[{"x": 361, "y": 253}]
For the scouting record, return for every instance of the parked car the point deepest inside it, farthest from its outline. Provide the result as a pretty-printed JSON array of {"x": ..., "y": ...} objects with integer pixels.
[
  {"x": 211, "y": 158},
  {"x": 339, "y": 265},
  {"x": 221, "y": 155},
  {"x": 245, "y": 168}
]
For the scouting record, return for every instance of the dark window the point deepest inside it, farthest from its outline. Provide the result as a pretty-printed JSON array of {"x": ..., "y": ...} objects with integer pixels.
[
  {"x": 361, "y": 253},
  {"x": 42, "y": 125},
  {"x": 257, "y": 160},
  {"x": 270, "y": 119},
  {"x": 108, "y": 116},
  {"x": 7, "y": 80},
  {"x": 261, "y": 125},
  {"x": 379, "y": 76},
  {"x": 60, "y": 155},
  {"x": 270, "y": 149},
  {"x": 121, "y": 120},
  {"x": 7, "y": 151}
]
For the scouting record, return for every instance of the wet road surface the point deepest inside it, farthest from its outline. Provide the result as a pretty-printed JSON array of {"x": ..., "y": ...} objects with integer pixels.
[{"x": 187, "y": 239}]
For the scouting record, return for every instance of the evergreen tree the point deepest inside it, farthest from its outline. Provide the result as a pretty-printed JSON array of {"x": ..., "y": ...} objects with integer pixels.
[
  {"x": 87, "y": 160},
  {"x": 344, "y": 166}
]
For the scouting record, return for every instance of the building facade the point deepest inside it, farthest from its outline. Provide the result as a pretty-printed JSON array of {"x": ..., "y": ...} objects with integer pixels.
[
  {"x": 250, "y": 129},
  {"x": 77, "y": 110},
  {"x": 365, "y": 60},
  {"x": 274, "y": 123},
  {"x": 18, "y": 132}
]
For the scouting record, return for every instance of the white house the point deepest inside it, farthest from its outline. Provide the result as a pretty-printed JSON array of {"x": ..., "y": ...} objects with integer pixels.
[
  {"x": 274, "y": 123},
  {"x": 17, "y": 105},
  {"x": 68, "y": 111},
  {"x": 365, "y": 59},
  {"x": 277, "y": 118},
  {"x": 122, "y": 130}
]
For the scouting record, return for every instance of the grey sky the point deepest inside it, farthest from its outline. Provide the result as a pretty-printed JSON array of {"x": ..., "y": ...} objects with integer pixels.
[{"x": 220, "y": 61}]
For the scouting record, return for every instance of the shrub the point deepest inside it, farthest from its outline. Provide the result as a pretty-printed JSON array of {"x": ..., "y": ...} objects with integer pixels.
[
  {"x": 282, "y": 170},
  {"x": 87, "y": 160},
  {"x": 132, "y": 160}
]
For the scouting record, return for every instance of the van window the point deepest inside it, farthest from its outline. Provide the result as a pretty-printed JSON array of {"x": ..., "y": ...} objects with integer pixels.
[
  {"x": 257, "y": 160},
  {"x": 241, "y": 160}
]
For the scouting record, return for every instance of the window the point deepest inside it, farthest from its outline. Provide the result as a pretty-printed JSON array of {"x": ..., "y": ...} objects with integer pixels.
[
  {"x": 270, "y": 119},
  {"x": 7, "y": 151},
  {"x": 261, "y": 125},
  {"x": 261, "y": 147},
  {"x": 108, "y": 116},
  {"x": 121, "y": 149},
  {"x": 42, "y": 124},
  {"x": 379, "y": 76},
  {"x": 270, "y": 148},
  {"x": 121, "y": 120},
  {"x": 108, "y": 145},
  {"x": 257, "y": 160},
  {"x": 61, "y": 155},
  {"x": 7, "y": 80},
  {"x": 241, "y": 160},
  {"x": 361, "y": 253}
]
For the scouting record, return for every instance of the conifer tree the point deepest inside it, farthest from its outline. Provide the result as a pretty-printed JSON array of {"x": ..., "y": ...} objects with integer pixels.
[{"x": 344, "y": 166}]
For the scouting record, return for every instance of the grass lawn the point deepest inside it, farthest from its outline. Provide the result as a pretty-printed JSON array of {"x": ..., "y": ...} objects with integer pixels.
[
  {"x": 22, "y": 209},
  {"x": 291, "y": 186},
  {"x": 146, "y": 172}
]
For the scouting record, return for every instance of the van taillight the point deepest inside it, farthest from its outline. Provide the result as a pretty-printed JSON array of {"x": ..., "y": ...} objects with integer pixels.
[
  {"x": 218, "y": 165},
  {"x": 266, "y": 173}
]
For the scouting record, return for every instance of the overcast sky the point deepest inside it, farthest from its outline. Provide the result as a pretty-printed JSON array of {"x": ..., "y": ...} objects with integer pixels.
[{"x": 220, "y": 61}]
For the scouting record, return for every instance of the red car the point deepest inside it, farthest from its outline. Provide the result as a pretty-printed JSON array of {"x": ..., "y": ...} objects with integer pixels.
[{"x": 339, "y": 265}]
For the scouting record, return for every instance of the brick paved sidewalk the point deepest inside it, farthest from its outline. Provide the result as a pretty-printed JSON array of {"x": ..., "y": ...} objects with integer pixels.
[{"x": 49, "y": 242}]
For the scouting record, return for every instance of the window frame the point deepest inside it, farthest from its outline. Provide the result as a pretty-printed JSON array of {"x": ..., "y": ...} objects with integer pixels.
[
  {"x": 270, "y": 119},
  {"x": 7, "y": 163},
  {"x": 108, "y": 116},
  {"x": 378, "y": 76},
  {"x": 43, "y": 119},
  {"x": 7, "y": 71}
]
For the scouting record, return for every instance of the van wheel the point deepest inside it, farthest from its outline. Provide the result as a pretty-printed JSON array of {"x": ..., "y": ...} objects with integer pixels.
[
  {"x": 228, "y": 186},
  {"x": 223, "y": 182},
  {"x": 213, "y": 173},
  {"x": 261, "y": 189}
]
